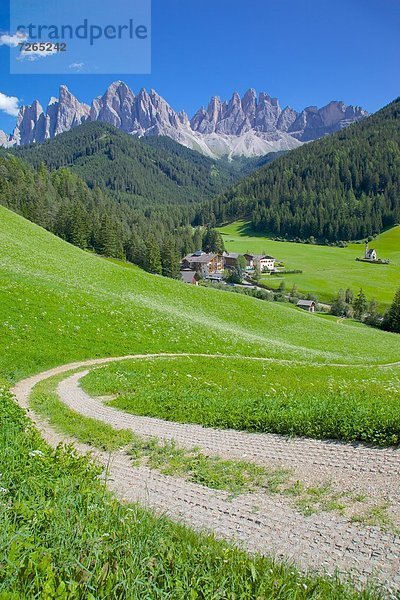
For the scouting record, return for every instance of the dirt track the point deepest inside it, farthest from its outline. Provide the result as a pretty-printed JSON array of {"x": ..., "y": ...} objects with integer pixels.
[{"x": 261, "y": 522}]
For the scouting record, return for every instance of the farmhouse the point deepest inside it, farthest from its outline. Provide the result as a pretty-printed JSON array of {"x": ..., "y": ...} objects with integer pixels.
[
  {"x": 264, "y": 262},
  {"x": 230, "y": 259},
  {"x": 188, "y": 276},
  {"x": 203, "y": 263},
  {"x": 308, "y": 305}
]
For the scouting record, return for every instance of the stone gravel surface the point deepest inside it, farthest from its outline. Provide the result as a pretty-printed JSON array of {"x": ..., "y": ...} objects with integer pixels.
[{"x": 257, "y": 521}]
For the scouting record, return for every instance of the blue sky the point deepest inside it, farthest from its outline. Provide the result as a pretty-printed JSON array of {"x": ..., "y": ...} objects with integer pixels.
[{"x": 305, "y": 52}]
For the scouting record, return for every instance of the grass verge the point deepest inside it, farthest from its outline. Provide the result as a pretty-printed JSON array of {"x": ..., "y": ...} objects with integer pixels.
[
  {"x": 236, "y": 477},
  {"x": 64, "y": 536},
  {"x": 318, "y": 401},
  {"x": 45, "y": 401}
]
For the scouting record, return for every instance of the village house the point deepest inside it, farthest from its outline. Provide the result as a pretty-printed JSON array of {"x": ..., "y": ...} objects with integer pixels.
[
  {"x": 188, "y": 276},
  {"x": 263, "y": 262},
  {"x": 230, "y": 259},
  {"x": 308, "y": 305},
  {"x": 203, "y": 263}
]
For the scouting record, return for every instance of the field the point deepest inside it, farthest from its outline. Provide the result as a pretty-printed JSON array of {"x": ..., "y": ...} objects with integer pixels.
[
  {"x": 59, "y": 304},
  {"x": 318, "y": 401},
  {"x": 325, "y": 269}
]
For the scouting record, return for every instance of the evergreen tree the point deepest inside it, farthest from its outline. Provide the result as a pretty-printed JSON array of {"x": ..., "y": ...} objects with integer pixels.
[
  {"x": 294, "y": 294},
  {"x": 198, "y": 239},
  {"x": 135, "y": 250},
  {"x": 213, "y": 241},
  {"x": 391, "y": 320},
  {"x": 360, "y": 305},
  {"x": 79, "y": 226},
  {"x": 170, "y": 260},
  {"x": 107, "y": 238},
  {"x": 152, "y": 262},
  {"x": 349, "y": 296}
]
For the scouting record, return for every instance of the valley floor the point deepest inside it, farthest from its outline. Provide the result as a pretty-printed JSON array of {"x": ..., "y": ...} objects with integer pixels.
[
  {"x": 325, "y": 269},
  {"x": 259, "y": 521}
]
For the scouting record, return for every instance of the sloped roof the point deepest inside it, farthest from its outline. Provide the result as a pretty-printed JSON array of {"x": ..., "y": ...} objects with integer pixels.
[
  {"x": 260, "y": 256},
  {"x": 202, "y": 259},
  {"x": 187, "y": 276},
  {"x": 305, "y": 303}
]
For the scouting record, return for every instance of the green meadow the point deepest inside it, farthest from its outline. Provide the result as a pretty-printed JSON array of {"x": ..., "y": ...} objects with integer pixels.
[
  {"x": 346, "y": 403},
  {"x": 326, "y": 269},
  {"x": 62, "y": 535},
  {"x": 60, "y": 304}
]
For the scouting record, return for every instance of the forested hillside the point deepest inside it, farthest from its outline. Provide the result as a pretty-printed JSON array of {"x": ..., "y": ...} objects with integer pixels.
[
  {"x": 64, "y": 204},
  {"x": 104, "y": 190},
  {"x": 142, "y": 172},
  {"x": 345, "y": 186}
]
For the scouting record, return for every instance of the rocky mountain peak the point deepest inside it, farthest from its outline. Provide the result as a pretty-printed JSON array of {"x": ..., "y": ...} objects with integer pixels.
[{"x": 250, "y": 125}]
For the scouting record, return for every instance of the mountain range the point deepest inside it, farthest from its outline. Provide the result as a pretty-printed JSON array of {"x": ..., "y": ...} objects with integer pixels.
[{"x": 252, "y": 125}]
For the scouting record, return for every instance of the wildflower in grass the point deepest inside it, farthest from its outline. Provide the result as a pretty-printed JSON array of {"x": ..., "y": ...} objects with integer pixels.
[{"x": 36, "y": 453}]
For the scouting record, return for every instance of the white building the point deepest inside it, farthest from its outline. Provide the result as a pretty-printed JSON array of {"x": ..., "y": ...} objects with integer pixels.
[{"x": 263, "y": 262}]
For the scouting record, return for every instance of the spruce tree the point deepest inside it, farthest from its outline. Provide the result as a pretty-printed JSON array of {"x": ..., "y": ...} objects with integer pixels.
[
  {"x": 360, "y": 305},
  {"x": 153, "y": 256},
  {"x": 170, "y": 260},
  {"x": 213, "y": 241},
  {"x": 391, "y": 321}
]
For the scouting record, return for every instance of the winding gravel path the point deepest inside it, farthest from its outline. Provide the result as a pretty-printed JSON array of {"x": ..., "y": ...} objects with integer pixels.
[{"x": 259, "y": 522}]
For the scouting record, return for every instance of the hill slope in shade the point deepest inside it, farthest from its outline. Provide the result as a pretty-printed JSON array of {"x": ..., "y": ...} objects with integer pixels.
[
  {"x": 326, "y": 269},
  {"x": 343, "y": 187},
  {"x": 58, "y": 304},
  {"x": 145, "y": 171}
]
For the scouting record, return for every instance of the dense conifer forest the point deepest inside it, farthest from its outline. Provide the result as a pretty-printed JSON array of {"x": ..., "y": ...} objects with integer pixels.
[
  {"x": 345, "y": 186},
  {"x": 141, "y": 172},
  {"x": 91, "y": 218}
]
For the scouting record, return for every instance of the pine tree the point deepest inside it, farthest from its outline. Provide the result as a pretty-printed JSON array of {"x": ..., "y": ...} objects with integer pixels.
[
  {"x": 135, "y": 250},
  {"x": 170, "y": 260},
  {"x": 391, "y": 321},
  {"x": 153, "y": 256},
  {"x": 360, "y": 305},
  {"x": 107, "y": 237},
  {"x": 79, "y": 226},
  {"x": 198, "y": 239},
  {"x": 213, "y": 241}
]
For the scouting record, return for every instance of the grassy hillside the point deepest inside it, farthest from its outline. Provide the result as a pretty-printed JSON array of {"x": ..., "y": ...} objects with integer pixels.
[
  {"x": 342, "y": 187},
  {"x": 325, "y": 269},
  {"x": 59, "y": 303}
]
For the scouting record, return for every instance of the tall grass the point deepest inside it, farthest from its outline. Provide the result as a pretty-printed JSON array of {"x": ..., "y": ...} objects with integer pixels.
[
  {"x": 64, "y": 536},
  {"x": 344, "y": 403}
]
